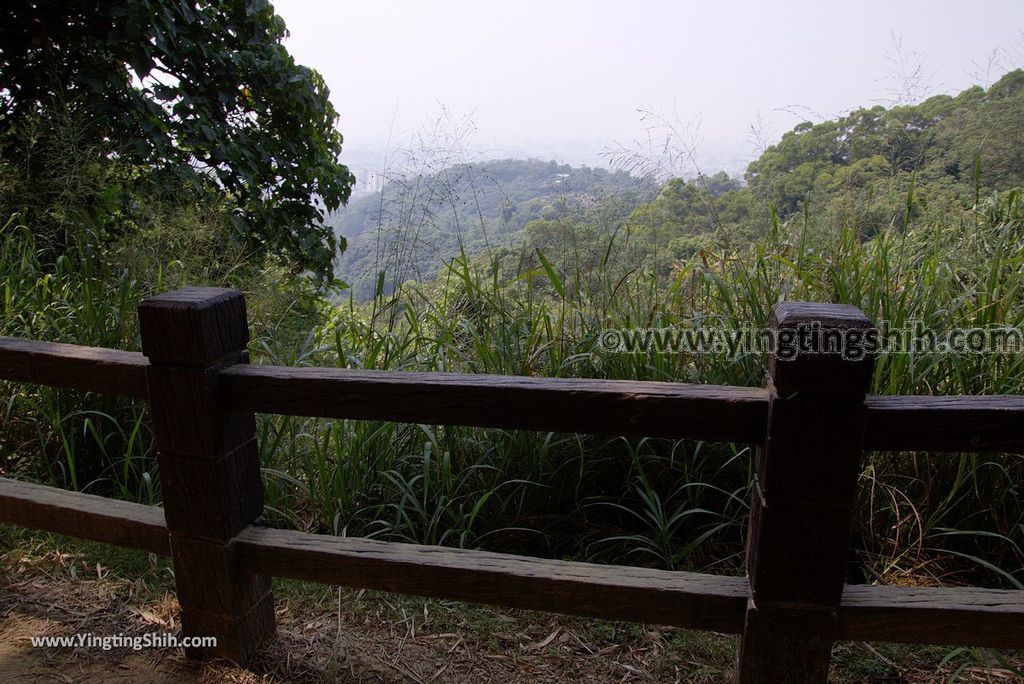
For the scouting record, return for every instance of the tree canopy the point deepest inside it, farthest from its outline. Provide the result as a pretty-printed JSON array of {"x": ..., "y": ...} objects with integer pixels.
[{"x": 204, "y": 90}]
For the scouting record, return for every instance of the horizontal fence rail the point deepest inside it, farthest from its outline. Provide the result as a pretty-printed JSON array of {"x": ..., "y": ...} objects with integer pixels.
[
  {"x": 945, "y": 424},
  {"x": 90, "y": 369},
  {"x": 810, "y": 426},
  {"x": 933, "y": 615},
  {"x": 939, "y": 424},
  {"x": 660, "y": 409}
]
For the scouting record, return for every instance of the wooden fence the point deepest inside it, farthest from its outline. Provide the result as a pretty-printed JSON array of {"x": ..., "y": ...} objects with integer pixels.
[{"x": 811, "y": 425}]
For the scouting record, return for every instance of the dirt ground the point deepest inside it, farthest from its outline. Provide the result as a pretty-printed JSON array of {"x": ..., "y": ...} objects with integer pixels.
[
  {"x": 326, "y": 634},
  {"x": 323, "y": 635}
]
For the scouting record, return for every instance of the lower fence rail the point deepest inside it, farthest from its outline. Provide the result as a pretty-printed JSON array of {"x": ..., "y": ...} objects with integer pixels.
[{"x": 967, "y": 616}]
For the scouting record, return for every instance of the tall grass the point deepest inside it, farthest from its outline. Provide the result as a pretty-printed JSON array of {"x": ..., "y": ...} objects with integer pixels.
[
  {"x": 87, "y": 294},
  {"x": 656, "y": 502},
  {"x": 73, "y": 440},
  {"x": 923, "y": 517}
]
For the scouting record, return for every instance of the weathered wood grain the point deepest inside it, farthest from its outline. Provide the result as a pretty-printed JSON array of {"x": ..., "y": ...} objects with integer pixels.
[
  {"x": 816, "y": 327},
  {"x": 812, "y": 424},
  {"x": 894, "y": 423},
  {"x": 193, "y": 326},
  {"x": 614, "y": 592},
  {"x": 805, "y": 480},
  {"x": 121, "y": 523},
  {"x": 91, "y": 369},
  {"x": 209, "y": 465},
  {"x": 945, "y": 424},
  {"x": 731, "y": 414},
  {"x": 954, "y": 616},
  {"x": 964, "y": 616}
]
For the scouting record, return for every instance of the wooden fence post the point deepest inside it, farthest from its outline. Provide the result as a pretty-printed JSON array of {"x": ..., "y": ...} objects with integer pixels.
[
  {"x": 209, "y": 466},
  {"x": 805, "y": 483}
]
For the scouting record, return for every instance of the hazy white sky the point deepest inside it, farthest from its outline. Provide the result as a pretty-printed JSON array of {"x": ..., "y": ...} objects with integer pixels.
[{"x": 564, "y": 80}]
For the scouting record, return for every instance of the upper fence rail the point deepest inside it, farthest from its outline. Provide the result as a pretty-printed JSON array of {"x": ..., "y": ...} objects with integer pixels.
[{"x": 657, "y": 409}]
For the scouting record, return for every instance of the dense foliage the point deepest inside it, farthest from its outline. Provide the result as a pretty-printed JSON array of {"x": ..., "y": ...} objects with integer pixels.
[
  {"x": 870, "y": 170},
  {"x": 647, "y": 501},
  {"x": 908, "y": 213},
  {"x": 198, "y": 97}
]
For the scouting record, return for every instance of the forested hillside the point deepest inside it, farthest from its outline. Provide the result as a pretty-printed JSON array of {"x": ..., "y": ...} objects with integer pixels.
[
  {"x": 866, "y": 171},
  {"x": 869, "y": 170},
  {"x": 418, "y": 223}
]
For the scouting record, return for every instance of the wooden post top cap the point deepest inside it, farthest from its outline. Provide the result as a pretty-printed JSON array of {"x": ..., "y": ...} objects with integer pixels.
[{"x": 193, "y": 326}]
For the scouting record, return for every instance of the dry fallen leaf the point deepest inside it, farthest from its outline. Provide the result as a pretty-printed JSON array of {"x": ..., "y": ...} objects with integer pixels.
[{"x": 541, "y": 644}]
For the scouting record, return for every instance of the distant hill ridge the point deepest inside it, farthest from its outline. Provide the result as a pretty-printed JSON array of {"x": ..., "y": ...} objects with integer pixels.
[
  {"x": 871, "y": 169},
  {"x": 415, "y": 224}
]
